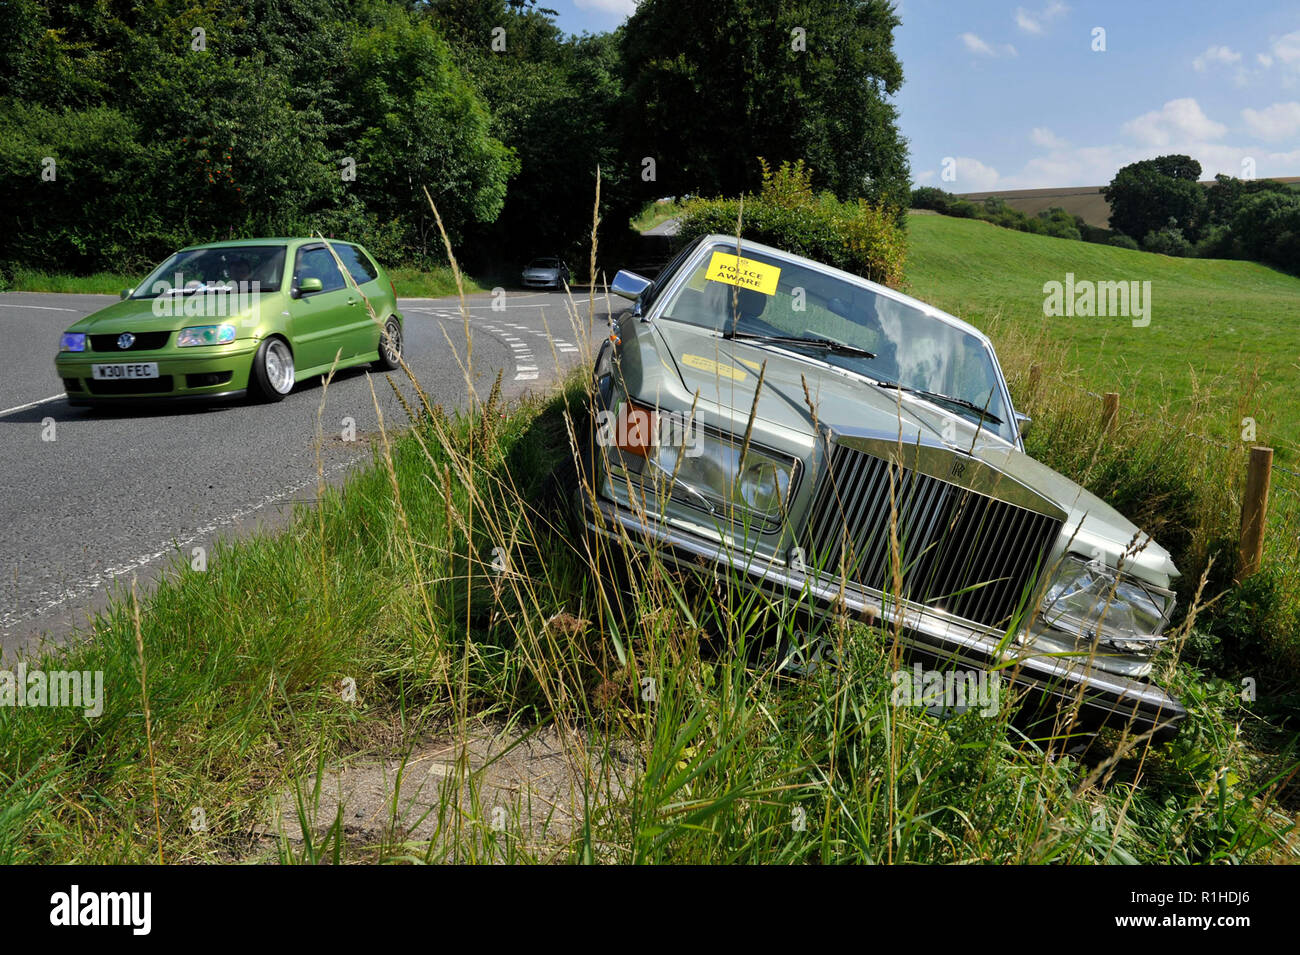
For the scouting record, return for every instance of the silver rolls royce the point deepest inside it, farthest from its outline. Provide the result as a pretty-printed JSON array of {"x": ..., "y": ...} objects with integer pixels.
[{"x": 842, "y": 445}]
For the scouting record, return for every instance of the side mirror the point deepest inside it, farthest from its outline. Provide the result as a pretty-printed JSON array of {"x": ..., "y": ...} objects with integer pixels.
[
  {"x": 1023, "y": 421},
  {"x": 629, "y": 285},
  {"x": 126, "y": 293},
  {"x": 308, "y": 286}
]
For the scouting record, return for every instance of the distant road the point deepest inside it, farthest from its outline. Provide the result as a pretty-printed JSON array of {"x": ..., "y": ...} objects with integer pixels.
[
  {"x": 667, "y": 227},
  {"x": 118, "y": 492}
]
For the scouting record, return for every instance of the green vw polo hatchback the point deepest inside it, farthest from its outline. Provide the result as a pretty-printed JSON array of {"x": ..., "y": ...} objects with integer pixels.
[{"x": 230, "y": 318}]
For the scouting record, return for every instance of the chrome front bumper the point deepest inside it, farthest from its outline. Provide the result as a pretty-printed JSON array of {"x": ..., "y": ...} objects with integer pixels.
[{"x": 1105, "y": 697}]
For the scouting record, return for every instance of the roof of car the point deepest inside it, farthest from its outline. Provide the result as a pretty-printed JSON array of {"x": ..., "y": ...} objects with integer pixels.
[
  {"x": 745, "y": 244},
  {"x": 270, "y": 240}
]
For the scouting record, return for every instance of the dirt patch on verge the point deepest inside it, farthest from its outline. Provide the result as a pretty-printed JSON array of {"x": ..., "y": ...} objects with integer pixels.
[{"x": 488, "y": 794}]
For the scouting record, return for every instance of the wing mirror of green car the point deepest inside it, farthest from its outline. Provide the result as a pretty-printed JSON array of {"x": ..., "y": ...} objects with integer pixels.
[
  {"x": 126, "y": 292},
  {"x": 307, "y": 286}
]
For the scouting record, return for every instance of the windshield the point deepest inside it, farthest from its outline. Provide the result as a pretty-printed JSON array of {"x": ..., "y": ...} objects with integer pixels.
[
  {"x": 225, "y": 266},
  {"x": 761, "y": 294},
  {"x": 544, "y": 264}
]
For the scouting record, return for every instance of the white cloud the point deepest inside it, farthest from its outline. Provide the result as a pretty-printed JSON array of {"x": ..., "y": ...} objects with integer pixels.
[
  {"x": 1042, "y": 136},
  {"x": 623, "y": 8},
  {"x": 1264, "y": 60},
  {"x": 973, "y": 176},
  {"x": 1178, "y": 119},
  {"x": 1286, "y": 49},
  {"x": 1035, "y": 21},
  {"x": 1179, "y": 127},
  {"x": 1277, "y": 122},
  {"x": 976, "y": 45},
  {"x": 1216, "y": 54}
]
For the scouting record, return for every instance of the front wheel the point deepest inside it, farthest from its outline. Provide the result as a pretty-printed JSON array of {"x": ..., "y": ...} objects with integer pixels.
[
  {"x": 390, "y": 345},
  {"x": 272, "y": 373}
]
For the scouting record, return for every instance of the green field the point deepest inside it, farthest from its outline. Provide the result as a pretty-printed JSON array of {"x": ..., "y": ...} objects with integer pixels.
[{"x": 1214, "y": 323}]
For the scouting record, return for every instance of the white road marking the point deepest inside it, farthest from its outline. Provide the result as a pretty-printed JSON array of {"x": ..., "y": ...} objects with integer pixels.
[
  {"x": 31, "y": 404},
  {"x": 43, "y": 308}
]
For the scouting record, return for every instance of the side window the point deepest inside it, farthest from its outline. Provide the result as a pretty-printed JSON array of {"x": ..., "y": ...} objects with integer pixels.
[
  {"x": 317, "y": 263},
  {"x": 652, "y": 292},
  {"x": 357, "y": 263}
]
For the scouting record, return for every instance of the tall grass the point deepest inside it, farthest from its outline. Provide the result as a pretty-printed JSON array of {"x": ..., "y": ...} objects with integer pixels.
[
  {"x": 1179, "y": 473},
  {"x": 445, "y": 585}
]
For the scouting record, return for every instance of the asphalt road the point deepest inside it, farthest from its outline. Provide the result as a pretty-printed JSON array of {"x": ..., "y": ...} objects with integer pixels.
[{"x": 117, "y": 494}]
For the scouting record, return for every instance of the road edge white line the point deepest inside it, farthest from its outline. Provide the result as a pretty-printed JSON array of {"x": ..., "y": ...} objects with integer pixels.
[{"x": 31, "y": 404}]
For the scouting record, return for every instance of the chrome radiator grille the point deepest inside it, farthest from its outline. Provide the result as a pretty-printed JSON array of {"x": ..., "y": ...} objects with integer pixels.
[{"x": 964, "y": 552}]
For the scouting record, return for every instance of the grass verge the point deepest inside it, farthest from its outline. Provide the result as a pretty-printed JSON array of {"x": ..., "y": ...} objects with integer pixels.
[{"x": 441, "y": 585}]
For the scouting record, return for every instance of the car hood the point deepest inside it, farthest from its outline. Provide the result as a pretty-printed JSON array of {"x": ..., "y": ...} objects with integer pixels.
[
  {"x": 541, "y": 273},
  {"x": 137, "y": 315},
  {"x": 683, "y": 358}
]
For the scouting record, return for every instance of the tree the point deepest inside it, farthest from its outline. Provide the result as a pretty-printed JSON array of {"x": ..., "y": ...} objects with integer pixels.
[
  {"x": 1267, "y": 224},
  {"x": 555, "y": 102},
  {"x": 711, "y": 87},
  {"x": 1144, "y": 196},
  {"x": 415, "y": 121}
]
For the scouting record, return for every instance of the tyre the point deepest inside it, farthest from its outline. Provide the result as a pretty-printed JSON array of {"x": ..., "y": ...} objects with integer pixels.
[
  {"x": 390, "y": 345},
  {"x": 272, "y": 375}
]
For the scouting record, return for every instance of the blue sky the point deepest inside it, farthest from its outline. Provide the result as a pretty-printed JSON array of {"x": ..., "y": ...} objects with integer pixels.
[{"x": 1016, "y": 98}]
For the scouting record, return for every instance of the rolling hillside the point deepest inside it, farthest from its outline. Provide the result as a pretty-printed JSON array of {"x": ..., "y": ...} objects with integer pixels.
[
  {"x": 1085, "y": 201},
  {"x": 1213, "y": 322}
]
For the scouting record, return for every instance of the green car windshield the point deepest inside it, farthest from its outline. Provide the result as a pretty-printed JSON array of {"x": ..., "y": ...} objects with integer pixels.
[
  {"x": 782, "y": 298},
  {"x": 217, "y": 267}
]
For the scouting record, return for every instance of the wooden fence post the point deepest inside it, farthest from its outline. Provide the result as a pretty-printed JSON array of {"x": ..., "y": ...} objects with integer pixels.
[
  {"x": 1109, "y": 410},
  {"x": 1254, "y": 510}
]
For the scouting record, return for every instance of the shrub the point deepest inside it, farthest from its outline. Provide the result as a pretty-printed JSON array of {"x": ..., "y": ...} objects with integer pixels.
[
  {"x": 1122, "y": 241},
  {"x": 1168, "y": 241},
  {"x": 929, "y": 197},
  {"x": 858, "y": 237},
  {"x": 1217, "y": 242}
]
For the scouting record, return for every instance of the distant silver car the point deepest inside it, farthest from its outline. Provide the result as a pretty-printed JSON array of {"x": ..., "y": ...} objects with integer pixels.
[
  {"x": 882, "y": 475},
  {"x": 545, "y": 272}
]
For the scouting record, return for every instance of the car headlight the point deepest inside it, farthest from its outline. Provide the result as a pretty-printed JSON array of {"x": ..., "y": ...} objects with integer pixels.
[
  {"x": 206, "y": 335},
  {"x": 1096, "y": 602},
  {"x": 73, "y": 341},
  {"x": 707, "y": 467}
]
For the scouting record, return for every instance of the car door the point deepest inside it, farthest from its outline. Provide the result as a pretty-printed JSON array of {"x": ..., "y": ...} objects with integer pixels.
[
  {"x": 361, "y": 334},
  {"x": 318, "y": 319}
]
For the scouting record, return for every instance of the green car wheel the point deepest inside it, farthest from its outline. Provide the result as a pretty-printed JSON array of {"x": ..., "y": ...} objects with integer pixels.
[
  {"x": 390, "y": 346},
  {"x": 272, "y": 371}
]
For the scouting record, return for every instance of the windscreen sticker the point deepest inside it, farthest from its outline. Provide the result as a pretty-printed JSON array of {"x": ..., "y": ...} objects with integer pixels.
[
  {"x": 744, "y": 273},
  {"x": 708, "y": 364}
]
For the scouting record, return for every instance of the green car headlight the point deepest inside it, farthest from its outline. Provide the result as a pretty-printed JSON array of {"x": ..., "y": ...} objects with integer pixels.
[
  {"x": 206, "y": 335},
  {"x": 1096, "y": 602},
  {"x": 709, "y": 468}
]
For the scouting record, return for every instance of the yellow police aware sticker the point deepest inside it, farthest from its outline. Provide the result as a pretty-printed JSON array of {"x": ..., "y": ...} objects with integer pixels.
[
  {"x": 745, "y": 273},
  {"x": 708, "y": 364}
]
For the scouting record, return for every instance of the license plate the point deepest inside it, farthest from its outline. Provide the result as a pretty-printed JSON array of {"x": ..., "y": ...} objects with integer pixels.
[{"x": 123, "y": 371}]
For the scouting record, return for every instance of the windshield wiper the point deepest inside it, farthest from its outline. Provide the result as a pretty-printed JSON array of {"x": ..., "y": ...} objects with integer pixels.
[
  {"x": 944, "y": 399},
  {"x": 838, "y": 348}
]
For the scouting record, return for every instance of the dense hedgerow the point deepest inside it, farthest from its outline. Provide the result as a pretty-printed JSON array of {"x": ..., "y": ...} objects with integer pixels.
[{"x": 857, "y": 236}]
